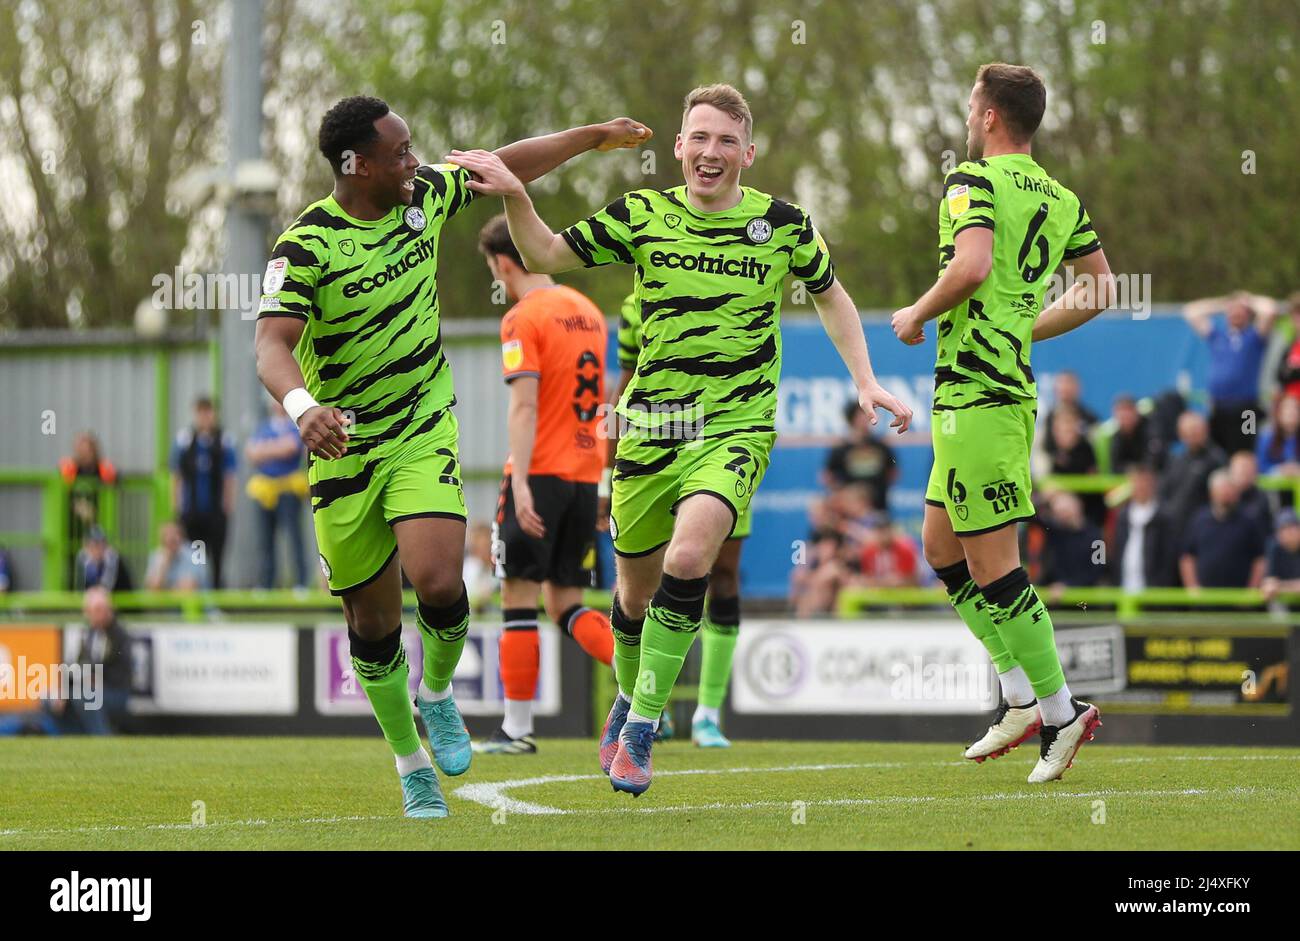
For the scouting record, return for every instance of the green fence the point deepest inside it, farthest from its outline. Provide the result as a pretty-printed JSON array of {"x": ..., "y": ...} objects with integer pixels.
[
  {"x": 128, "y": 511},
  {"x": 131, "y": 509}
]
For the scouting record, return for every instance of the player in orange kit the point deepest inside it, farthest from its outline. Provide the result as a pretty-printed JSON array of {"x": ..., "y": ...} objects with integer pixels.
[{"x": 553, "y": 344}]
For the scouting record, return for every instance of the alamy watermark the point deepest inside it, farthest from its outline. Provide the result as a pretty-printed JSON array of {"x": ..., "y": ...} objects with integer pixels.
[
  {"x": 20, "y": 679},
  {"x": 1131, "y": 292},
  {"x": 917, "y": 680},
  {"x": 653, "y": 421},
  {"x": 194, "y": 290}
]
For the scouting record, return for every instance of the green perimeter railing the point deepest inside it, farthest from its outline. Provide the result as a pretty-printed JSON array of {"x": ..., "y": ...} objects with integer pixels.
[
  {"x": 55, "y": 539},
  {"x": 58, "y": 548},
  {"x": 1084, "y": 602}
]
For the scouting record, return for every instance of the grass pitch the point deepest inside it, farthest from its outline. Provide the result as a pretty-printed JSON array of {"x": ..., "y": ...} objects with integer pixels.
[{"x": 342, "y": 793}]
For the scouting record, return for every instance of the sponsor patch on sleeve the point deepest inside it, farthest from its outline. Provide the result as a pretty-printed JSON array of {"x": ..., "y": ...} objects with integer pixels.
[
  {"x": 512, "y": 354},
  {"x": 269, "y": 304},
  {"x": 958, "y": 200},
  {"x": 273, "y": 280}
]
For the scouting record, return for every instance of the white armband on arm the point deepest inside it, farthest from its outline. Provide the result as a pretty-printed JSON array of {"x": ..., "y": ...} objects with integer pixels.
[{"x": 297, "y": 401}]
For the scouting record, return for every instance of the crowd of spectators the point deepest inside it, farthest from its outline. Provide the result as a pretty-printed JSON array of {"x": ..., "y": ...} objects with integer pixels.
[
  {"x": 191, "y": 548},
  {"x": 1189, "y": 512},
  {"x": 851, "y": 539}
]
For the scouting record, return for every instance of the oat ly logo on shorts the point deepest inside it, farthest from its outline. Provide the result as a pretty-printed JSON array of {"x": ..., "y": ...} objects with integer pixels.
[{"x": 1002, "y": 495}]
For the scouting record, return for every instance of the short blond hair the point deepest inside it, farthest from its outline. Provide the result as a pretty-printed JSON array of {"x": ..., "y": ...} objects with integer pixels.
[{"x": 726, "y": 98}]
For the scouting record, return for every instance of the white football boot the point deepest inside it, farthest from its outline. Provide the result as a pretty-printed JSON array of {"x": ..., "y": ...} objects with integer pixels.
[
  {"x": 1060, "y": 745},
  {"x": 1011, "y": 726}
]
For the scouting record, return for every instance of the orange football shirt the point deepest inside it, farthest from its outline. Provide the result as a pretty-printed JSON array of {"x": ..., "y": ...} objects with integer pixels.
[{"x": 558, "y": 336}]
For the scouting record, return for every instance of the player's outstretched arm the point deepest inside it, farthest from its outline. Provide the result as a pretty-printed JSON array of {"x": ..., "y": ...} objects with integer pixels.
[
  {"x": 1082, "y": 301},
  {"x": 971, "y": 263},
  {"x": 542, "y": 250},
  {"x": 839, "y": 317},
  {"x": 323, "y": 429},
  {"x": 536, "y": 156}
]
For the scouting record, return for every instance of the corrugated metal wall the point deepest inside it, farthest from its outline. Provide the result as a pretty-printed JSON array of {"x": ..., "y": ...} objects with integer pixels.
[{"x": 111, "y": 390}]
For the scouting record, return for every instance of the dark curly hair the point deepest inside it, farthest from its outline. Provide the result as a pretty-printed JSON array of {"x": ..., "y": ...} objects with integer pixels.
[{"x": 349, "y": 126}]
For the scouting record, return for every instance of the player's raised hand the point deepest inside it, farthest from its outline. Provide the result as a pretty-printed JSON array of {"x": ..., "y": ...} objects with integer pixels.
[
  {"x": 492, "y": 176},
  {"x": 525, "y": 512},
  {"x": 906, "y": 328},
  {"x": 622, "y": 133},
  {"x": 324, "y": 431},
  {"x": 872, "y": 396}
]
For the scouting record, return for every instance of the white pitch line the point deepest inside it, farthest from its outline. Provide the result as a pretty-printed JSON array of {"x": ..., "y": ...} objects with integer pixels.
[{"x": 492, "y": 794}]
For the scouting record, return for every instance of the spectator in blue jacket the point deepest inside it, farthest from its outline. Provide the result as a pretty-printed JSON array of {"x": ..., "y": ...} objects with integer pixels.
[
  {"x": 203, "y": 483},
  {"x": 1237, "y": 344}
]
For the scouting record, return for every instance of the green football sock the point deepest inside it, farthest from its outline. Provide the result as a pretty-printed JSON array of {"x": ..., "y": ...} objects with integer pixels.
[
  {"x": 443, "y": 631},
  {"x": 380, "y": 668},
  {"x": 718, "y": 639},
  {"x": 671, "y": 623},
  {"x": 1025, "y": 628},
  {"x": 968, "y": 602},
  {"x": 627, "y": 648}
]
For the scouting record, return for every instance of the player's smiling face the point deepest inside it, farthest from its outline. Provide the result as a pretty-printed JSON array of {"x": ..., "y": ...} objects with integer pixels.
[
  {"x": 392, "y": 163},
  {"x": 713, "y": 149}
]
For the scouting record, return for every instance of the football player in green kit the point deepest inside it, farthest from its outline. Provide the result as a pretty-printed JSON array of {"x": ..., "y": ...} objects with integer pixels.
[
  {"x": 699, "y": 415},
  {"x": 1005, "y": 226},
  {"x": 349, "y": 341},
  {"x": 721, "y": 625}
]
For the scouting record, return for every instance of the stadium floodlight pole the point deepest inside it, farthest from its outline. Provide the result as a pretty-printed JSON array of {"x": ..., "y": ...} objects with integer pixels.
[{"x": 247, "y": 220}]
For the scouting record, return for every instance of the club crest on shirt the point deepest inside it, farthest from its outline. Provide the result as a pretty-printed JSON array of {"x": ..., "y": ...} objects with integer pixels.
[
  {"x": 759, "y": 230},
  {"x": 958, "y": 200},
  {"x": 414, "y": 218},
  {"x": 347, "y": 246},
  {"x": 273, "y": 280},
  {"x": 673, "y": 220}
]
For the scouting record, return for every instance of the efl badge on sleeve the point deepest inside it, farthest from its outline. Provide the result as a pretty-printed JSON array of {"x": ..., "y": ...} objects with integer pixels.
[
  {"x": 958, "y": 200},
  {"x": 512, "y": 355},
  {"x": 273, "y": 280},
  {"x": 414, "y": 217}
]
